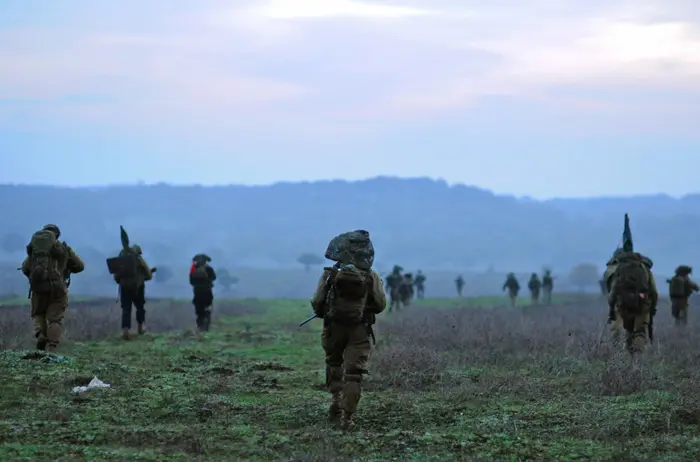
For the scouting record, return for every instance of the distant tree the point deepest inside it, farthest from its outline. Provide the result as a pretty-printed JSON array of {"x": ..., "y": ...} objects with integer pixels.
[
  {"x": 226, "y": 280},
  {"x": 584, "y": 275},
  {"x": 163, "y": 275},
  {"x": 309, "y": 260},
  {"x": 13, "y": 242}
]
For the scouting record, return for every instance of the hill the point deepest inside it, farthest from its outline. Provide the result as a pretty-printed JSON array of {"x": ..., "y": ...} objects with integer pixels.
[{"x": 415, "y": 222}]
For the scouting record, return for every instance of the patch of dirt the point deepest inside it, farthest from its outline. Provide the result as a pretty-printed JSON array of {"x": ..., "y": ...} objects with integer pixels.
[{"x": 270, "y": 366}]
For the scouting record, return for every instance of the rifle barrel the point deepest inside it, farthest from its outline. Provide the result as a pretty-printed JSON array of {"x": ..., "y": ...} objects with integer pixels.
[{"x": 308, "y": 320}]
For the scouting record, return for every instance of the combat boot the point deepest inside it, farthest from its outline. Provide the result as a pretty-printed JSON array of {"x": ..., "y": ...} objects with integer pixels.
[
  {"x": 50, "y": 348},
  {"x": 352, "y": 390},
  {"x": 334, "y": 380},
  {"x": 347, "y": 421},
  {"x": 125, "y": 334},
  {"x": 142, "y": 329},
  {"x": 41, "y": 344}
]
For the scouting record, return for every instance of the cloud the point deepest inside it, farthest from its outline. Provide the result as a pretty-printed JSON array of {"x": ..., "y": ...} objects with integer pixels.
[{"x": 309, "y": 66}]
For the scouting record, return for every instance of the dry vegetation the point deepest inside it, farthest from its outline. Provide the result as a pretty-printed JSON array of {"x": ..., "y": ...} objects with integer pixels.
[{"x": 448, "y": 382}]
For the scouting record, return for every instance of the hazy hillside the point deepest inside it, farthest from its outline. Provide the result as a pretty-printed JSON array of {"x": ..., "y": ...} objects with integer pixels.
[{"x": 415, "y": 222}]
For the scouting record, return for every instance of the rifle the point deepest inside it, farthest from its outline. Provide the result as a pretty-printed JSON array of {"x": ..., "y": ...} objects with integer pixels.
[
  {"x": 314, "y": 316},
  {"x": 29, "y": 291},
  {"x": 650, "y": 326},
  {"x": 326, "y": 286}
]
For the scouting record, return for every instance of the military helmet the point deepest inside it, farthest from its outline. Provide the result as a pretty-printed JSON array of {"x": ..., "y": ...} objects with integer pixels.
[
  {"x": 52, "y": 228},
  {"x": 137, "y": 248}
]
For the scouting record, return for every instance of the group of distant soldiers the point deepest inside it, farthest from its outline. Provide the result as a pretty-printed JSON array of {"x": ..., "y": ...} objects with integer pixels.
[
  {"x": 50, "y": 263},
  {"x": 535, "y": 285}
]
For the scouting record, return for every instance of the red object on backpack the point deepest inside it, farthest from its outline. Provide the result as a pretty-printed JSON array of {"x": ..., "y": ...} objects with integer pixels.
[{"x": 192, "y": 268}]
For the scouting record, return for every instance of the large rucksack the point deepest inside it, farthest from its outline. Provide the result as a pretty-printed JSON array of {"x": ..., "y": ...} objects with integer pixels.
[
  {"x": 632, "y": 282},
  {"x": 124, "y": 267},
  {"x": 350, "y": 289},
  {"x": 677, "y": 287},
  {"x": 46, "y": 255},
  {"x": 199, "y": 277}
]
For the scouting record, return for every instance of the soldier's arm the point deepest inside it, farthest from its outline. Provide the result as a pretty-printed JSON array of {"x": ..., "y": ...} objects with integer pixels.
[
  {"x": 211, "y": 273},
  {"x": 147, "y": 274},
  {"x": 376, "y": 302},
  {"x": 318, "y": 300},
  {"x": 75, "y": 264},
  {"x": 694, "y": 286},
  {"x": 25, "y": 267}
]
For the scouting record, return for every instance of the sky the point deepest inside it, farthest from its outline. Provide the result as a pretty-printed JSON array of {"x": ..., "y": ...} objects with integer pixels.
[{"x": 544, "y": 98}]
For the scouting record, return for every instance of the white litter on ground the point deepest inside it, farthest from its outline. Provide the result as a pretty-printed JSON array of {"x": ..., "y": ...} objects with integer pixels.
[{"x": 94, "y": 383}]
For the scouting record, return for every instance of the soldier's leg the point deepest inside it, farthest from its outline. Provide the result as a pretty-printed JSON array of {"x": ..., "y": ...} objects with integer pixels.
[
  {"x": 55, "y": 312},
  {"x": 333, "y": 339},
  {"x": 39, "y": 304},
  {"x": 683, "y": 312},
  {"x": 140, "y": 304},
  {"x": 640, "y": 326},
  {"x": 126, "y": 299},
  {"x": 355, "y": 365}
]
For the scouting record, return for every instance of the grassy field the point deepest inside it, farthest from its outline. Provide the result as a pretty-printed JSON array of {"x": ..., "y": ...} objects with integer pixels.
[{"x": 451, "y": 380}]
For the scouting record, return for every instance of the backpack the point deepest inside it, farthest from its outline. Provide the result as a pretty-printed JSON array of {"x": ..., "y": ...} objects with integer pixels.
[
  {"x": 350, "y": 288},
  {"x": 46, "y": 254},
  {"x": 676, "y": 287},
  {"x": 199, "y": 277},
  {"x": 125, "y": 268},
  {"x": 632, "y": 283}
]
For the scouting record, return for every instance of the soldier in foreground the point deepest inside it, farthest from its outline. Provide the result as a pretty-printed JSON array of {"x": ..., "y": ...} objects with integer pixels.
[
  {"x": 513, "y": 287},
  {"x": 547, "y": 286},
  {"x": 534, "y": 284},
  {"x": 420, "y": 284},
  {"x": 131, "y": 276},
  {"x": 459, "y": 284},
  {"x": 48, "y": 267},
  {"x": 348, "y": 298},
  {"x": 202, "y": 277},
  {"x": 680, "y": 288},
  {"x": 632, "y": 295}
]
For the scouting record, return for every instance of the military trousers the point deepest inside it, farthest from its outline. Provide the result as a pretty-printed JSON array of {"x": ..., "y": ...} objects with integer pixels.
[
  {"x": 347, "y": 349},
  {"x": 47, "y": 312},
  {"x": 635, "y": 322},
  {"x": 133, "y": 297}
]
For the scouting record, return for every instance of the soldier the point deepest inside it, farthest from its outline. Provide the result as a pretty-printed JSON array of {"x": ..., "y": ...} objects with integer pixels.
[
  {"x": 547, "y": 286},
  {"x": 459, "y": 283},
  {"x": 513, "y": 287},
  {"x": 406, "y": 289},
  {"x": 393, "y": 286},
  {"x": 632, "y": 293},
  {"x": 681, "y": 288},
  {"x": 202, "y": 277},
  {"x": 132, "y": 289},
  {"x": 534, "y": 285},
  {"x": 420, "y": 284},
  {"x": 48, "y": 267},
  {"x": 348, "y": 297}
]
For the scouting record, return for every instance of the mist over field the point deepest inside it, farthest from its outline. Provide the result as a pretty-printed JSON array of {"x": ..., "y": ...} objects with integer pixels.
[{"x": 258, "y": 233}]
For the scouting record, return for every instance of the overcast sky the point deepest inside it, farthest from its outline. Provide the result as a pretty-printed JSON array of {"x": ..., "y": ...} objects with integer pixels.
[{"x": 531, "y": 97}]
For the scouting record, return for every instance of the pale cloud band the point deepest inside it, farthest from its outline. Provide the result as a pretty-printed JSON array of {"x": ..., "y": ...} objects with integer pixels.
[{"x": 344, "y": 63}]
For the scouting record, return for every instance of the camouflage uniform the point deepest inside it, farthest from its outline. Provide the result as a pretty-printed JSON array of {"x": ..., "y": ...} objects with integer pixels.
[
  {"x": 513, "y": 287},
  {"x": 48, "y": 310},
  {"x": 420, "y": 284},
  {"x": 534, "y": 285},
  {"x": 203, "y": 293},
  {"x": 547, "y": 286},
  {"x": 679, "y": 302},
  {"x": 631, "y": 311},
  {"x": 406, "y": 289},
  {"x": 459, "y": 283},
  {"x": 393, "y": 286},
  {"x": 133, "y": 293}
]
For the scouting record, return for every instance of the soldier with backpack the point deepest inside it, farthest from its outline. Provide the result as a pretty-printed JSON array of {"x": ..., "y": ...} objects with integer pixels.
[
  {"x": 48, "y": 267},
  {"x": 680, "y": 288},
  {"x": 632, "y": 294},
  {"x": 202, "y": 277},
  {"x": 131, "y": 273},
  {"x": 348, "y": 298}
]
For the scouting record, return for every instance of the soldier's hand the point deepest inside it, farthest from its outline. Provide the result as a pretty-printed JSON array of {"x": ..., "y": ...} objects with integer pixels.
[{"x": 153, "y": 270}]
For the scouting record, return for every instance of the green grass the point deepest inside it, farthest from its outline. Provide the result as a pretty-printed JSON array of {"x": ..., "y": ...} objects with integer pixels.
[{"x": 250, "y": 390}]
